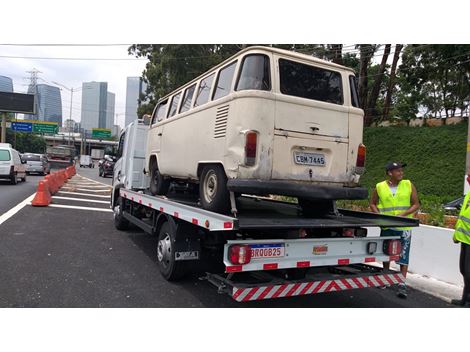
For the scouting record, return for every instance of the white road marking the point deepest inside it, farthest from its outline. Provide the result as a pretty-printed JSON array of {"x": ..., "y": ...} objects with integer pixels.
[
  {"x": 85, "y": 186},
  {"x": 93, "y": 180},
  {"x": 16, "y": 208},
  {"x": 79, "y": 208},
  {"x": 85, "y": 194},
  {"x": 86, "y": 190},
  {"x": 81, "y": 199}
]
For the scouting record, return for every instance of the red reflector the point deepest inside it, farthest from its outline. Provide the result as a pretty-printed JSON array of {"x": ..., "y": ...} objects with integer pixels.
[
  {"x": 250, "y": 148},
  {"x": 161, "y": 209},
  {"x": 303, "y": 264},
  {"x": 343, "y": 261},
  {"x": 228, "y": 225},
  {"x": 140, "y": 201},
  {"x": 272, "y": 266},
  {"x": 239, "y": 254},
  {"x": 132, "y": 198},
  {"x": 231, "y": 269},
  {"x": 206, "y": 223},
  {"x": 394, "y": 257},
  {"x": 195, "y": 222},
  {"x": 370, "y": 260},
  {"x": 361, "y": 156},
  {"x": 150, "y": 205},
  {"x": 176, "y": 214}
]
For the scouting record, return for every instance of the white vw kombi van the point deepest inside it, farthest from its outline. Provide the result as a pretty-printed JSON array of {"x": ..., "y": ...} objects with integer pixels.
[
  {"x": 265, "y": 121},
  {"x": 11, "y": 166}
]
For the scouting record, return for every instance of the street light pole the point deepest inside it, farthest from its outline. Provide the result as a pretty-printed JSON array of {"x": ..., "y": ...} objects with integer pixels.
[{"x": 70, "y": 116}]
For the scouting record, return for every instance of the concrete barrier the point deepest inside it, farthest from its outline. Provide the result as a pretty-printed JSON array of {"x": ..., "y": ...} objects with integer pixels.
[{"x": 433, "y": 253}]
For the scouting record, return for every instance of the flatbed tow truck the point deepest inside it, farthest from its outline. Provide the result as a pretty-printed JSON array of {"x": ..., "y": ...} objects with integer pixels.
[{"x": 269, "y": 250}]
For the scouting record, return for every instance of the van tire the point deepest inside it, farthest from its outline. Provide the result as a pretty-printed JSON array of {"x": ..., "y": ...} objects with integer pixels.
[
  {"x": 170, "y": 269},
  {"x": 158, "y": 184},
  {"x": 14, "y": 179},
  {"x": 213, "y": 189}
]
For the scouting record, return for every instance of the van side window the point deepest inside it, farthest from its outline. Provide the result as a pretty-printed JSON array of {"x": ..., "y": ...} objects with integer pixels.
[
  {"x": 310, "y": 82},
  {"x": 224, "y": 81},
  {"x": 254, "y": 73},
  {"x": 160, "y": 112},
  {"x": 188, "y": 98},
  {"x": 204, "y": 90},
  {"x": 174, "y": 104},
  {"x": 354, "y": 96},
  {"x": 121, "y": 145}
]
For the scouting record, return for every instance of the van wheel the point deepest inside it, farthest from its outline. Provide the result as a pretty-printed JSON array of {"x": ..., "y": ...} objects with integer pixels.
[
  {"x": 120, "y": 223},
  {"x": 170, "y": 269},
  {"x": 158, "y": 184},
  {"x": 213, "y": 189},
  {"x": 14, "y": 179}
]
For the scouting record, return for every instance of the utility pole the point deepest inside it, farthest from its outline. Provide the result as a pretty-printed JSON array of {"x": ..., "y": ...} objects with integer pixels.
[{"x": 4, "y": 128}]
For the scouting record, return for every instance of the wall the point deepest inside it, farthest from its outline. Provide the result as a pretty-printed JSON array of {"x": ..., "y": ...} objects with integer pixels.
[{"x": 433, "y": 253}]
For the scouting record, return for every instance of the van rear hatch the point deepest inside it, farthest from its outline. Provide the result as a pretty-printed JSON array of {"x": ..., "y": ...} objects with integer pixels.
[
  {"x": 5, "y": 162},
  {"x": 311, "y": 131}
]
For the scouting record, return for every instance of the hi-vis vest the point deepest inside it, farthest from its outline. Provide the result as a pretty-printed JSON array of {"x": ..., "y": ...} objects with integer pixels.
[
  {"x": 462, "y": 227},
  {"x": 394, "y": 205}
]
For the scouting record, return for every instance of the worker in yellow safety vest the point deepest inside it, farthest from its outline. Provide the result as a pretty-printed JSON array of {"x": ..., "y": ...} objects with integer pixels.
[
  {"x": 398, "y": 197},
  {"x": 462, "y": 236}
]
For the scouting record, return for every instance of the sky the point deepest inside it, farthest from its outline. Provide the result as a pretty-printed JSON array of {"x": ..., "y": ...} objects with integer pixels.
[{"x": 15, "y": 61}]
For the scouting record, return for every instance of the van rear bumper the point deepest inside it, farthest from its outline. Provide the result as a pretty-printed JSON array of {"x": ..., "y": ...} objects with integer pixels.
[{"x": 295, "y": 189}]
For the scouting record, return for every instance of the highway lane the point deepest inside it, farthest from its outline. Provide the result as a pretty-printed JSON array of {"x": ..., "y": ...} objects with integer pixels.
[{"x": 11, "y": 195}]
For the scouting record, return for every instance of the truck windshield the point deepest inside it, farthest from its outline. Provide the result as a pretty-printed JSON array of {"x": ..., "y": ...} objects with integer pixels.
[
  {"x": 310, "y": 82},
  {"x": 5, "y": 155}
]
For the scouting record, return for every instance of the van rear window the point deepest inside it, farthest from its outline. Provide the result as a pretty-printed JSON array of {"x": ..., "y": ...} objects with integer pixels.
[
  {"x": 254, "y": 73},
  {"x": 5, "y": 155},
  {"x": 310, "y": 82}
]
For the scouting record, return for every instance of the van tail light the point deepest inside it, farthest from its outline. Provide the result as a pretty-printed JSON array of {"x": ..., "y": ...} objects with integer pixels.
[
  {"x": 250, "y": 148},
  {"x": 361, "y": 159},
  {"x": 392, "y": 247},
  {"x": 239, "y": 254}
]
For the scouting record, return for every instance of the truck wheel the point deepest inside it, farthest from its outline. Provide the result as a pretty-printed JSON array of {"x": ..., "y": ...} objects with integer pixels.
[
  {"x": 158, "y": 184},
  {"x": 14, "y": 179},
  {"x": 170, "y": 269},
  {"x": 213, "y": 189},
  {"x": 120, "y": 223}
]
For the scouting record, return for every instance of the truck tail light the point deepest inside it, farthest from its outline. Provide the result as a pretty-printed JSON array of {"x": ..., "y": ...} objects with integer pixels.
[
  {"x": 239, "y": 254},
  {"x": 250, "y": 148},
  {"x": 348, "y": 232},
  {"x": 392, "y": 247},
  {"x": 361, "y": 158}
]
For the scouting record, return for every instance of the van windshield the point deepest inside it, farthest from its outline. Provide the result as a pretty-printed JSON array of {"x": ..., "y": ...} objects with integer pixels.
[{"x": 5, "y": 155}]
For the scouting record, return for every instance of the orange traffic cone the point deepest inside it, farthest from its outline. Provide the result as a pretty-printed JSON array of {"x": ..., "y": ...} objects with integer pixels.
[
  {"x": 74, "y": 170},
  {"x": 51, "y": 183},
  {"x": 58, "y": 179},
  {"x": 43, "y": 196},
  {"x": 63, "y": 175}
]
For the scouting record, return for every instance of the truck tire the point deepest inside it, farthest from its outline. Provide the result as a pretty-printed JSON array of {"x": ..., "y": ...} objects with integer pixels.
[
  {"x": 158, "y": 184},
  {"x": 170, "y": 269},
  {"x": 120, "y": 223},
  {"x": 213, "y": 189}
]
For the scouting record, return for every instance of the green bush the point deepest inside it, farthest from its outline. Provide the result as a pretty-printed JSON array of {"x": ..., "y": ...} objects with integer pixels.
[{"x": 435, "y": 158}]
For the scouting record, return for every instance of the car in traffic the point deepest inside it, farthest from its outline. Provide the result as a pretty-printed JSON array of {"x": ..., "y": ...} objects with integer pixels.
[
  {"x": 11, "y": 166},
  {"x": 106, "y": 166},
  {"x": 36, "y": 163},
  {"x": 86, "y": 161}
]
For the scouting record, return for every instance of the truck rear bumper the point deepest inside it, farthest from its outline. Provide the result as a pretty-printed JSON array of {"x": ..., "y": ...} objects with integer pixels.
[{"x": 295, "y": 189}]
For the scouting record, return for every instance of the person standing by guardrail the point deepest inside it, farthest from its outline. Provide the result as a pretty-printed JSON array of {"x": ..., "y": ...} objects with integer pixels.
[
  {"x": 462, "y": 236},
  {"x": 397, "y": 197}
]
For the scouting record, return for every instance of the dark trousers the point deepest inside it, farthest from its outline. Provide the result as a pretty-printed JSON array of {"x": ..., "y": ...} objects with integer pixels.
[{"x": 465, "y": 270}]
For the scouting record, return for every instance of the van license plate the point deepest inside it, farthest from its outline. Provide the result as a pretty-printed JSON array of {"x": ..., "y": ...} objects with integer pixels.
[
  {"x": 267, "y": 250},
  {"x": 309, "y": 159}
]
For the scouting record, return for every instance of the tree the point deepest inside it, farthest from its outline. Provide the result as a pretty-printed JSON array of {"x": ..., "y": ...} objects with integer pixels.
[
  {"x": 26, "y": 142},
  {"x": 391, "y": 83},
  {"x": 366, "y": 52}
]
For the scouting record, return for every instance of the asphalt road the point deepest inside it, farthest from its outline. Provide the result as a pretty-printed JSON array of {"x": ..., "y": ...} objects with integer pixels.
[
  {"x": 68, "y": 257},
  {"x": 11, "y": 195}
]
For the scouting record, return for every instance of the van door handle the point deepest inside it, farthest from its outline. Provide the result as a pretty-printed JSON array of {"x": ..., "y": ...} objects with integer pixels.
[{"x": 160, "y": 134}]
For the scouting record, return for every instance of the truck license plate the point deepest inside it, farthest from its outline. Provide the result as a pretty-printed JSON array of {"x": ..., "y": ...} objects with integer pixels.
[
  {"x": 267, "y": 250},
  {"x": 309, "y": 159}
]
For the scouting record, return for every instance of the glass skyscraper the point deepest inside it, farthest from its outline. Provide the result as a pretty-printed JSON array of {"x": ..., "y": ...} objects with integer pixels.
[
  {"x": 6, "y": 84},
  {"x": 48, "y": 103},
  {"x": 110, "y": 110},
  {"x": 135, "y": 87},
  {"x": 94, "y": 105}
]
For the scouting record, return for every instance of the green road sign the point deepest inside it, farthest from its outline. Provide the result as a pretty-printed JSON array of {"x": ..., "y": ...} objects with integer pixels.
[
  {"x": 100, "y": 133},
  {"x": 48, "y": 128}
]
